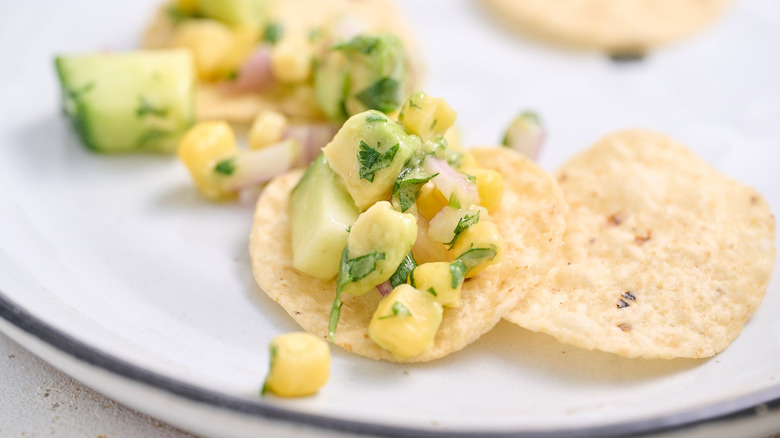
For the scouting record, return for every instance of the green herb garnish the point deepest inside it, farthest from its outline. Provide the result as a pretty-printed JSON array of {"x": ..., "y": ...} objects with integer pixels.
[
  {"x": 226, "y": 167},
  {"x": 398, "y": 310},
  {"x": 463, "y": 223},
  {"x": 401, "y": 275},
  {"x": 458, "y": 271},
  {"x": 453, "y": 201},
  {"x": 371, "y": 160},
  {"x": 383, "y": 95},
  {"x": 373, "y": 117},
  {"x": 362, "y": 44},
  {"x": 407, "y": 186},
  {"x": 475, "y": 256},
  {"x": 350, "y": 270},
  {"x": 273, "y": 33}
]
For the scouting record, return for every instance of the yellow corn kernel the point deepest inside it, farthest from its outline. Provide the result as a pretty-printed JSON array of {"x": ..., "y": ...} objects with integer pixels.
[
  {"x": 291, "y": 60},
  {"x": 490, "y": 185},
  {"x": 430, "y": 200},
  {"x": 209, "y": 41},
  {"x": 437, "y": 279},
  {"x": 267, "y": 129},
  {"x": 201, "y": 149},
  {"x": 427, "y": 116},
  {"x": 479, "y": 246},
  {"x": 300, "y": 365},
  {"x": 405, "y": 322}
]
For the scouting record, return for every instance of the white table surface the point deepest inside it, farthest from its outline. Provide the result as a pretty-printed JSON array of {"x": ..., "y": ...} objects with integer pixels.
[{"x": 38, "y": 400}]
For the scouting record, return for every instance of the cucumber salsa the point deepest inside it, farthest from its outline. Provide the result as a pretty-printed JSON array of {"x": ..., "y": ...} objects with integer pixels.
[{"x": 393, "y": 207}]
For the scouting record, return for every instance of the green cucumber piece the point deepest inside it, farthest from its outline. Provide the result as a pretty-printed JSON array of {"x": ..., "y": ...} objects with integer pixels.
[
  {"x": 131, "y": 101},
  {"x": 321, "y": 212}
]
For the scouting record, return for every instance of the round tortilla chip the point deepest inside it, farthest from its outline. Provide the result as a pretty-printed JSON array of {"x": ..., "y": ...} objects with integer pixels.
[
  {"x": 531, "y": 220},
  {"x": 619, "y": 26},
  {"x": 663, "y": 255}
]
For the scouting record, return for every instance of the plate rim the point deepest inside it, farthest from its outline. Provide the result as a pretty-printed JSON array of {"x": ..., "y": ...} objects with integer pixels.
[{"x": 745, "y": 407}]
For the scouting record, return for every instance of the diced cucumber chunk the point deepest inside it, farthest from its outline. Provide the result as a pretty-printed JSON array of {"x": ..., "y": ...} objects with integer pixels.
[
  {"x": 321, "y": 211},
  {"x": 132, "y": 101},
  {"x": 369, "y": 71}
]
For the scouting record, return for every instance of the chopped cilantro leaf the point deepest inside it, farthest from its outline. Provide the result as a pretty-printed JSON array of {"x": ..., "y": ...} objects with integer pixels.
[
  {"x": 226, "y": 167},
  {"x": 273, "y": 33},
  {"x": 350, "y": 270},
  {"x": 364, "y": 44},
  {"x": 412, "y": 103},
  {"x": 458, "y": 271},
  {"x": 373, "y": 117},
  {"x": 383, "y": 95},
  {"x": 453, "y": 201},
  {"x": 371, "y": 160},
  {"x": 407, "y": 187},
  {"x": 401, "y": 275},
  {"x": 463, "y": 223},
  {"x": 398, "y": 309},
  {"x": 475, "y": 256},
  {"x": 361, "y": 266}
]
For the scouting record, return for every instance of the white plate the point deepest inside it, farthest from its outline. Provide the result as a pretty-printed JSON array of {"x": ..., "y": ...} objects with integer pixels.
[{"x": 113, "y": 269}]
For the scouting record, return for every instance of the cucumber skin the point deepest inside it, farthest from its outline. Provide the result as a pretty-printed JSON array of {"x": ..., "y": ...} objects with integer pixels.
[
  {"x": 72, "y": 106},
  {"x": 105, "y": 128}
]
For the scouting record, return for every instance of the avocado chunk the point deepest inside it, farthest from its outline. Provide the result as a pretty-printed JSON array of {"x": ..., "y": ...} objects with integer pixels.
[
  {"x": 132, "y": 101},
  {"x": 321, "y": 211},
  {"x": 369, "y": 71},
  {"x": 379, "y": 240},
  {"x": 369, "y": 152},
  {"x": 250, "y": 13}
]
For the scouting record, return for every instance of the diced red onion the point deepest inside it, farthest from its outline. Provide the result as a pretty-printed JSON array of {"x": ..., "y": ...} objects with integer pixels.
[
  {"x": 255, "y": 74},
  {"x": 254, "y": 167},
  {"x": 525, "y": 135},
  {"x": 449, "y": 181},
  {"x": 385, "y": 288},
  {"x": 311, "y": 138}
]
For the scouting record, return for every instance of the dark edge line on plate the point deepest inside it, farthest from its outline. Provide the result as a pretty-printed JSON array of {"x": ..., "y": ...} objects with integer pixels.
[{"x": 749, "y": 406}]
